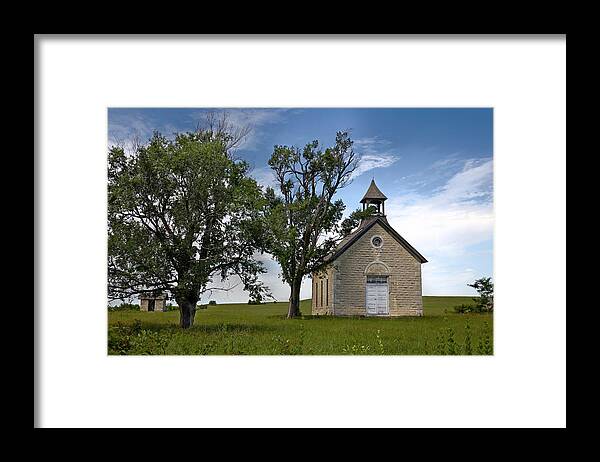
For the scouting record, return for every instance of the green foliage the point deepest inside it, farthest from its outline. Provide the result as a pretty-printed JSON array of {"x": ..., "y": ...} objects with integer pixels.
[
  {"x": 485, "y": 289},
  {"x": 485, "y": 342},
  {"x": 125, "y": 307},
  {"x": 119, "y": 338},
  {"x": 148, "y": 342},
  {"x": 468, "y": 308},
  {"x": 134, "y": 340},
  {"x": 212, "y": 302},
  {"x": 354, "y": 219},
  {"x": 440, "y": 343},
  {"x": 445, "y": 342},
  {"x": 451, "y": 346},
  {"x": 263, "y": 330},
  {"x": 468, "y": 347},
  {"x": 183, "y": 215},
  {"x": 256, "y": 300}
]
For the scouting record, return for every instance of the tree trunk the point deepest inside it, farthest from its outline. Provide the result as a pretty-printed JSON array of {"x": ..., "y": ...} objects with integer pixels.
[
  {"x": 294, "y": 307},
  {"x": 187, "y": 312}
]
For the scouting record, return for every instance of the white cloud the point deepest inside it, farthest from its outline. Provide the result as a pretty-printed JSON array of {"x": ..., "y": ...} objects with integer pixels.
[
  {"x": 264, "y": 176},
  {"x": 371, "y": 161},
  {"x": 373, "y": 153},
  {"x": 474, "y": 181},
  {"x": 447, "y": 281},
  {"x": 444, "y": 225},
  {"x": 458, "y": 215},
  {"x": 370, "y": 143},
  {"x": 125, "y": 126},
  {"x": 255, "y": 117}
]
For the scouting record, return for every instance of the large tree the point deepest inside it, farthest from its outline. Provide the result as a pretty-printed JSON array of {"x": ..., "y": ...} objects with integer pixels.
[
  {"x": 304, "y": 219},
  {"x": 183, "y": 216}
]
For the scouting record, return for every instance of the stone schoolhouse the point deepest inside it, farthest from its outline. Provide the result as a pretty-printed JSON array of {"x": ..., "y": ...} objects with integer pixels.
[{"x": 373, "y": 271}]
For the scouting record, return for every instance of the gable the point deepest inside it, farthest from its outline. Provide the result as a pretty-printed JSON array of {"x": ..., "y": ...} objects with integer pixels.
[{"x": 352, "y": 238}]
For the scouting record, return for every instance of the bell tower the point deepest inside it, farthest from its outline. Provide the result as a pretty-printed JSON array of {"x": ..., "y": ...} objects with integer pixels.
[{"x": 375, "y": 197}]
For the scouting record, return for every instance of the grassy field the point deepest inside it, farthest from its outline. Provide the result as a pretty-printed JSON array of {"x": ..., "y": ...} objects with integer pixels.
[{"x": 242, "y": 329}]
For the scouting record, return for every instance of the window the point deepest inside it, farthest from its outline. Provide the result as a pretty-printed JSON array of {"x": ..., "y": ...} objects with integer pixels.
[
  {"x": 376, "y": 241},
  {"x": 376, "y": 279},
  {"x": 326, "y": 292},
  {"x": 321, "y": 292}
]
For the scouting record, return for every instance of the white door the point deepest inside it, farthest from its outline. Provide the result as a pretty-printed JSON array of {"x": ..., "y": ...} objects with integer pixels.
[{"x": 377, "y": 295}]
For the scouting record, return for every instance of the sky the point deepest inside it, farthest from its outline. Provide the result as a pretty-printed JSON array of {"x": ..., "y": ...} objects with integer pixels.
[{"x": 435, "y": 165}]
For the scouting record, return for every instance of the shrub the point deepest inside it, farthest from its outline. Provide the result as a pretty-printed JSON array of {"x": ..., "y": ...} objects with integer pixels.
[
  {"x": 118, "y": 343},
  {"x": 212, "y": 302},
  {"x": 485, "y": 289},
  {"x": 148, "y": 342},
  {"x": 464, "y": 308},
  {"x": 125, "y": 307},
  {"x": 254, "y": 302},
  {"x": 120, "y": 335},
  {"x": 445, "y": 343},
  {"x": 133, "y": 340}
]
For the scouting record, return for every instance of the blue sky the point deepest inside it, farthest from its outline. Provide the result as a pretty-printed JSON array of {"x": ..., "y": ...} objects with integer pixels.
[{"x": 434, "y": 165}]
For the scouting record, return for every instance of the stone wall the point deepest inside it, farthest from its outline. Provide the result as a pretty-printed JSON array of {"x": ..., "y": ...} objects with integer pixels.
[{"x": 349, "y": 275}]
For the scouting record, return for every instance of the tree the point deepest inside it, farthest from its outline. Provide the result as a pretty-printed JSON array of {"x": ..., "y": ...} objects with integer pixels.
[
  {"x": 303, "y": 218},
  {"x": 485, "y": 289},
  {"x": 182, "y": 217}
]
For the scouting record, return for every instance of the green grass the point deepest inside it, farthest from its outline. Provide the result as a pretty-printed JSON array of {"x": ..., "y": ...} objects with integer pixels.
[{"x": 263, "y": 330}]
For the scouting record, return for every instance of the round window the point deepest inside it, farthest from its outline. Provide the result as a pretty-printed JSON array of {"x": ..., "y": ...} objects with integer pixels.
[{"x": 376, "y": 241}]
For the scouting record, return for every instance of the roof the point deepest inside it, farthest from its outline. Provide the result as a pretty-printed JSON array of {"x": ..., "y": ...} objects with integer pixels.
[
  {"x": 147, "y": 295},
  {"x": 373, "y": 193},
  {"x": 363, "y": 228}
]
